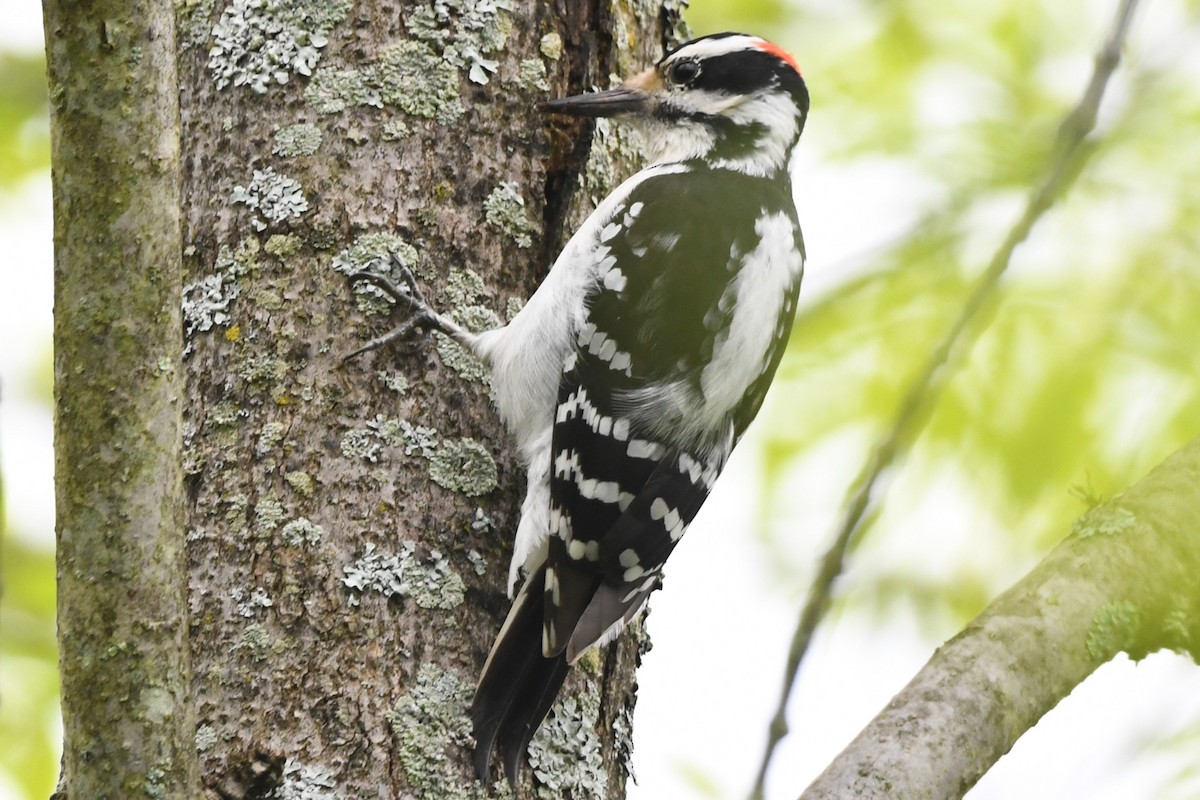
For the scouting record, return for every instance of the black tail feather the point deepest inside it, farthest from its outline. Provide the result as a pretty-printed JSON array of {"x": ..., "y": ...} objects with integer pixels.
[
  {"x": 518, "y": 684},
  {"x": 529, "y": 708},
  {"x": 514, "y": 653}
]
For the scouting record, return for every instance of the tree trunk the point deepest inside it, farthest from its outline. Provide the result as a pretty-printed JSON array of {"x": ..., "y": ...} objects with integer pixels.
[
  {"x": 128, "y": 719},
  {"x": 350, "y": 525}
]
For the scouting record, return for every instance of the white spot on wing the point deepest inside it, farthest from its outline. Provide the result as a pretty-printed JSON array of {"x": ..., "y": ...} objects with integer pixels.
[
  {"x": 615, "y": 280},
  {"x": 672, "y": 522},
  {"x": 691, "y": 466},
  {"x": 659, "y": 508},
  {"x": 596, "y": 342},
  {"x": 621, "y": 362},
  {"x": 640, "y": 448}
]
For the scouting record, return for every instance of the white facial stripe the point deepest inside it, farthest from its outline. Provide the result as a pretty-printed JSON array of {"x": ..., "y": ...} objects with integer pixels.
[
  {"x": 779, "y": 115},
  {"x": 708, "y": 102},
  {"x": 707, "y": 48}
]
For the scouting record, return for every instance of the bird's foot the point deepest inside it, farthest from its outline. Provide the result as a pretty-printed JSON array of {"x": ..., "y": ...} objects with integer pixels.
[{"x": 421, "y": 318}]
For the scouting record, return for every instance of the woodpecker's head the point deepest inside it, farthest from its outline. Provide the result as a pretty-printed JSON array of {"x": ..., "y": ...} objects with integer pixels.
[{"x": 733, "y": 100}]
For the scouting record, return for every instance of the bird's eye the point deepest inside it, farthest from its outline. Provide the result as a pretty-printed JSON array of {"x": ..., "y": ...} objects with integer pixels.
[{"x": 683, "y": 72}]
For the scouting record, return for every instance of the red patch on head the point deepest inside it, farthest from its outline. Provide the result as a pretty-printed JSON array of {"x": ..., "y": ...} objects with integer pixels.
[{"x": 780, "y": 53}]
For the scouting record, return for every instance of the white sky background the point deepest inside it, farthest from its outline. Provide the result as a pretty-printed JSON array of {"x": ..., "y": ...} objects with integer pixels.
[
  {"x": 26, "y": 230},
  {"x": 722, "y": 625}
]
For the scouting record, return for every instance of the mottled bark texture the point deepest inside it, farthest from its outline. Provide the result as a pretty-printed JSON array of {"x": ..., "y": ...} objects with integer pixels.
[
  {"x": 1126, "y": 580},
  {"x": 127, "y": 704},
  {"x": 350, "y": 525}
]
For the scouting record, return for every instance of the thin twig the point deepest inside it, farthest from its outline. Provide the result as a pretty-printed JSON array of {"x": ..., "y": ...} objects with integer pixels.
[{"x": 1068, "y": 157}]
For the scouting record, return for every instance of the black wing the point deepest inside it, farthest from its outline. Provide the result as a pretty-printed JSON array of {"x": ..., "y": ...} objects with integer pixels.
[{"x": 624, "y": 488}]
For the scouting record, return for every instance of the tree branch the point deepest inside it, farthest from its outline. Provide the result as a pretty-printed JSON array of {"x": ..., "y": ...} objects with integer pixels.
[
  {"x": 1127, "y": 579},
  {"x": 1068, "y": 157}
]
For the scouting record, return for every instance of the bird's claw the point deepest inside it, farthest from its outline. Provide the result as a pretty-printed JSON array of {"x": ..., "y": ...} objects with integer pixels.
[
  {"x": 422, "y": 316},
  {"x": 412, "y": 297}
]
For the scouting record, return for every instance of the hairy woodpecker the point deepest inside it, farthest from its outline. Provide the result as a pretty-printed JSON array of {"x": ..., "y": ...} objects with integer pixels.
[{"x": 636, "y": 366}]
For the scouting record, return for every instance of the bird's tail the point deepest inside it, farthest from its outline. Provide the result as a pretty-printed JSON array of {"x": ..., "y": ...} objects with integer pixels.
[{"x": 518, "y": 684}]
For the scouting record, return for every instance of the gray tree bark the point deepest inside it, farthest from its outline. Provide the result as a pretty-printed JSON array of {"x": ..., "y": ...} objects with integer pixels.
[
  {"x": 1126, "y": 580},
  {"x": 350, "y": 525},
  {"x": 128, "y": 714}
]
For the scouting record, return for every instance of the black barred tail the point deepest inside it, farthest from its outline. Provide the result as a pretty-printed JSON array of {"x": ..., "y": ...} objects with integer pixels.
[{"x": 518, "y": 684}]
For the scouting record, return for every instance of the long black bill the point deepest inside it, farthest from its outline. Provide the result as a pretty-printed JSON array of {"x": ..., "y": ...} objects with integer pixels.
[{"x": 609, "y": 103}]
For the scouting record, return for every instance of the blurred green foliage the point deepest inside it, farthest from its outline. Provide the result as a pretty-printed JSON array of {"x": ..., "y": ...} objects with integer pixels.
[
  {"x": 28, "y": 669},
  {"x": 1085, "y": 373},
  {"x": 24, "y": 118}
]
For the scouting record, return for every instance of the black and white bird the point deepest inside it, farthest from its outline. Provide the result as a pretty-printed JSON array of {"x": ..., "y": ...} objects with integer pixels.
[{"x": 636, "y": 366}]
